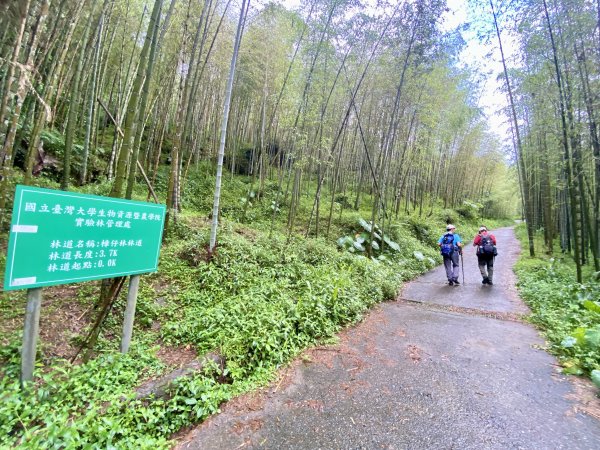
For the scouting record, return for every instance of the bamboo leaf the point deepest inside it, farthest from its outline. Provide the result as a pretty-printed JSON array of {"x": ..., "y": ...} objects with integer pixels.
[{"x": 591, "y": 306}]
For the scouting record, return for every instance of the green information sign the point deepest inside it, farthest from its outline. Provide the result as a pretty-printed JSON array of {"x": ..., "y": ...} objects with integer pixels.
[{"x": 61, "y": 237}]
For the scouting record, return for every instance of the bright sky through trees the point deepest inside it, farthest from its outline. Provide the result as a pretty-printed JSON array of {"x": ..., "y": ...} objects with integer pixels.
[{"x": 483, "y": 57}]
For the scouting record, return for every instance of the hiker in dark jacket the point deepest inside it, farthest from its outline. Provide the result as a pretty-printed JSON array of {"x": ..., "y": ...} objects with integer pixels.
[
  {"x": 450, "y": 247},
  {"x": 486, "y": 252}
]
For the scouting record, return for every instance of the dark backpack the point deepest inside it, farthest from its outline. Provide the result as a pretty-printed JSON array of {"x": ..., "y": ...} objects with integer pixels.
[
  {"x": 486, "y": 246},
  {"x": 447, "y": 247}
]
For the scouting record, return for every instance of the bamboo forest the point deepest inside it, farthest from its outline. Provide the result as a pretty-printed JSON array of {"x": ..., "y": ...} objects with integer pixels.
[{"x": 309, "y": 160}]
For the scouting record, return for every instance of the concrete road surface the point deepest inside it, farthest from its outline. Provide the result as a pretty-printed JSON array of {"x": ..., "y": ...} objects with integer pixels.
[{"x": 440, "y": 368}]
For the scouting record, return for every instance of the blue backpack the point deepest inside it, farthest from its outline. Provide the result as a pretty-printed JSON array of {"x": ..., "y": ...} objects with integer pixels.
[{"x": 447, "y": 247}]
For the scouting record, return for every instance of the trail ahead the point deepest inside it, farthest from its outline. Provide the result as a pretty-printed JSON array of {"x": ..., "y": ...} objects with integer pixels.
[{"x": 443, "y": 367}]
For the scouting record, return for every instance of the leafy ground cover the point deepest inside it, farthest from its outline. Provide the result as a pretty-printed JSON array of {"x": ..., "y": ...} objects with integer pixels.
[
  {"x": 263, "y": 297},
  {"x": 567, "y": 312}
]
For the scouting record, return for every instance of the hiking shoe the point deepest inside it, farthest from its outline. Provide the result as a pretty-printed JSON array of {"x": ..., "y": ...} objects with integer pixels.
[
  {"x": 485, "y": 281},
  {"x": 490, "y": 282},
  {"x": 456, "y": 282},
  {"x": 450, "y": 282}
]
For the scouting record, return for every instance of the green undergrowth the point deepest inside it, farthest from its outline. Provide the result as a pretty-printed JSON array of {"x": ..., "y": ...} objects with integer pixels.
[
  {"x": 263, "y": 299},
  {"x": 567, "y": 312},
  {"x": 258, "y": 301}
]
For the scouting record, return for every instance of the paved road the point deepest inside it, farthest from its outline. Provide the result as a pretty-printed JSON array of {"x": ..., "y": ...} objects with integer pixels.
[{"x": 440, "y": 368}]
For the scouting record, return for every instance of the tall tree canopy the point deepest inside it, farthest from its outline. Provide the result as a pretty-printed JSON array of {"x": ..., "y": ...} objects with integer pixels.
[
  {"x": 362, "y": 102},
  {"x": 554, "y": 82}
]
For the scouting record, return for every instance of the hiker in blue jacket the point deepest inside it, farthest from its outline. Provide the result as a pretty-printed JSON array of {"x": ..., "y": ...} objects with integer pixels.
[{"x": 450, "y": 247}]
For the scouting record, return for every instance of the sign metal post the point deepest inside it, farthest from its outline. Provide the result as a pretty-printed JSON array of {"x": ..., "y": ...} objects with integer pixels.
[
  {"x": 30, "y": 333},
  {"x": 134, "y": 283}
]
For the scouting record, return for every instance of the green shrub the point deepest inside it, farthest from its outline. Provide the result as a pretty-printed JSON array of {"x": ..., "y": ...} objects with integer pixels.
[
  {"x": 567, "y": 312},
  {"x": 469, "y": 210}
]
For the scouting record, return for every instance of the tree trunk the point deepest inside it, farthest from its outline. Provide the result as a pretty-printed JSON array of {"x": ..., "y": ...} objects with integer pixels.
[
  {"x": 519, "y": 148},
  {"x": 572, "y": 182},
  {"x": 132, "y": 107},
  {"x": 22, "y": 87},
  {"x": 74, "y": 110},
  {"x": 92, "y": 101},
  {"x": 139, "y": 128},
  {"x": 226, "y": 104},
  {"x": 45, "y": 114},
  {"x": 12, "y": 65},
  {"x": 595, "y": 141}
]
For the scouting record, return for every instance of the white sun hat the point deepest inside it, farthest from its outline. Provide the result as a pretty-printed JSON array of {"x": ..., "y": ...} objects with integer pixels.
[{"x": 450, "y": 227}]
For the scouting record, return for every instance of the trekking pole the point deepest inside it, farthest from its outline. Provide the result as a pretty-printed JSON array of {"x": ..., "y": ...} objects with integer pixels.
[{"x": 462, "y": 265}]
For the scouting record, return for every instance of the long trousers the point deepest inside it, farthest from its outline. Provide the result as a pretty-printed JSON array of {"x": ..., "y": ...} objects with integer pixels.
[
  {"x": 451, "y": 265},
  {"x": 486, "y": 266}
]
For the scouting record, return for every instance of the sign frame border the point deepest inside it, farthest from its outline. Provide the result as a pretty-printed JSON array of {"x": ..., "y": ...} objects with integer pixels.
[{"x": 20, "y": 190}]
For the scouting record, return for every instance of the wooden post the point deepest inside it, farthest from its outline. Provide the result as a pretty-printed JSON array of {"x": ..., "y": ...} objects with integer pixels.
[
  {"x": 134, "y": 283},
  {"x": 30, "y": 333}
]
